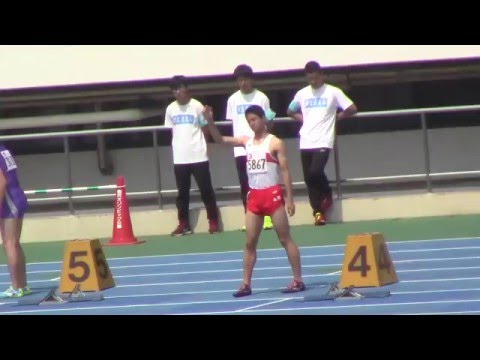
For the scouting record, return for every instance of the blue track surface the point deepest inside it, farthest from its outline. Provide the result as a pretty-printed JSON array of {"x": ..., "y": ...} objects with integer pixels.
[{"x": 435, "y": 277}]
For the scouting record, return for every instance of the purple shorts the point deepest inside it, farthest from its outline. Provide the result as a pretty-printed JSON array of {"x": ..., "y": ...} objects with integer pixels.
[{"x": 14, "y": 205}]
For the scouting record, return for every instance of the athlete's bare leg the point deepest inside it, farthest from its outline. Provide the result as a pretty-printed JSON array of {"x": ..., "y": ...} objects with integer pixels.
[
  {"x": 254, "y": 224},
  {"x": 282, "y": 228},
  {"x": 11, "y": 230}
]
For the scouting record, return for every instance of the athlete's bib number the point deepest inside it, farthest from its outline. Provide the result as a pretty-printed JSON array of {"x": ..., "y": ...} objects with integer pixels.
[
  {"x": 9, "y": 161},
  {"x": 257, "y": 163}
]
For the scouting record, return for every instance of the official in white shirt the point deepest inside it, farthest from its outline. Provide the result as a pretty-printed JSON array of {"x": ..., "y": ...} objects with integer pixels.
[
  {"x": 189, "y": 146},
  {"x": 316, "y": 106}
]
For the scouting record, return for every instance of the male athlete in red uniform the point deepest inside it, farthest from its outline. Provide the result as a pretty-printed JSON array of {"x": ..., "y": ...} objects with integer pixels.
[{"x": 266, "y": 157}]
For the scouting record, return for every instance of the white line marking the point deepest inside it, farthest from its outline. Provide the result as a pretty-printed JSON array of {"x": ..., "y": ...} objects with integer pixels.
[
  {"x": 266, "y": 268},
  {"x": 181, "y": 282},
  {"x": 266, "y": 304},
  {"x": 277, "y": 278},
  {"x": 440, "y": 269},
  {"x": 335, "y": 272},
  {"x": 456, "y": 301},
  {"x": 240, "y": 270},
  {"x": 435, "y": 259},
  {"x": 179, "y": 293},
  {"x": 436, "y": 280},
  {"x": 396, "y": 242},
  {"x": 259, "y": 290},
  {"x": 271, "y": 301},
  {"x": 139, "y": 305},
  {"x": 432, "y": 291},
  {"x": 447, "y": 313},
  {"x": 275, "y": 258},
  {"x": 329, "y": 308}
]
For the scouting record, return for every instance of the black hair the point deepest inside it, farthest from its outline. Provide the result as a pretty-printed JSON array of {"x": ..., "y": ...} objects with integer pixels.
[
  {"x": 178, "y": 81},
  {"x": 243, "y": 70},
  {"x": 255, "y": 109},
  {"x": 312, "y": 67}
]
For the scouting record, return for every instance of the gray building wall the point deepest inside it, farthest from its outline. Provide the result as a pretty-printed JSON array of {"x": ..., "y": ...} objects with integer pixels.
[{"x": 361, "y": 155}]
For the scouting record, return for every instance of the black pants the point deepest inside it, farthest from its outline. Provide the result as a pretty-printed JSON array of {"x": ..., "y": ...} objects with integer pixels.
[
  {"x": 201, "y": 173},
  {"x": 313, "y": 164},
  {"x": 241, "y": 162}
]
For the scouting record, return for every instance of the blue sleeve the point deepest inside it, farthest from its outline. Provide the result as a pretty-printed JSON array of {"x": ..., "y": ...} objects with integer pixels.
[
  {"x": 270, "y": 114},
  {"x": 294, "y": 106},
  {"x": 201, "y": 120}
]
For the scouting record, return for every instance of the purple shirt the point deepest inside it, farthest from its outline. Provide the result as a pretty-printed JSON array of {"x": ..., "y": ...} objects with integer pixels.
[{"x": 15, "y": 201}]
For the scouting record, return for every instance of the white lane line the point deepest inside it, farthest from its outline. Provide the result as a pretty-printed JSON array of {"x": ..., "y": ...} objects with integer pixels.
[
  {"x": 283, "y": 258},
  {"x": 261, "y": 305},
  {"x": 393, "y": 242}
]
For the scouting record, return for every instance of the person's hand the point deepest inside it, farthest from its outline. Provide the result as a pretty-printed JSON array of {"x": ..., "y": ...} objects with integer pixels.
[
  {"x": 207, "y": 113},
  {"x": 290, "y": 207}
]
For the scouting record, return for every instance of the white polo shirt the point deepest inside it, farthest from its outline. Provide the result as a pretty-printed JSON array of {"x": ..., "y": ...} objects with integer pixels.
[
  {"x": 188, "y": 142},
  {"x": 319, "y": 109},
  {"x": 236, "y": 105}
]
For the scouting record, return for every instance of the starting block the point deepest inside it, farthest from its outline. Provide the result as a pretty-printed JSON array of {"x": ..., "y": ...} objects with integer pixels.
[
  {"x": 85, "y": 269},
  {"x": 367, "y": 263},
  {"x": 55, "y": 297},
  {"x": 335, "y": 292},
  {"x": 84, "y": 264}
]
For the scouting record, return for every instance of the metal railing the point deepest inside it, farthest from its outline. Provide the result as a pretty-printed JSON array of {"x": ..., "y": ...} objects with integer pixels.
[{"x": 422, "y": 112}]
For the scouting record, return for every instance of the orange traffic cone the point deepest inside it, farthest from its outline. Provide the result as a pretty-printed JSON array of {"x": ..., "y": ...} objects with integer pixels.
[{"x": 122, "y": 225}]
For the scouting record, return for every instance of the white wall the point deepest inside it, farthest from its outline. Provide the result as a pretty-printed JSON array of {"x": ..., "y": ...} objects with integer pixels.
[{"x": 35, "y": 65}]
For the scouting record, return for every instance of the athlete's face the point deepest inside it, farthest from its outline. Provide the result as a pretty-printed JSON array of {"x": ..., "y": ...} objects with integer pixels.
[
  {"x": 245, "y": 84},
  {"x": 315, "y": 79},
  {"x": 256, "y": 123}
]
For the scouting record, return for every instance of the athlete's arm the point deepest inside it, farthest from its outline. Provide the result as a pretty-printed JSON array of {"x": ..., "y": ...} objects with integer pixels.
[
  {"x": 294, "y": 110},
  {"x": 270, "y": 115},
  {"x": 277, "y": 148},
  {"x": 3, "y": 186},
  {"x": 344, "y": 103},
  {"x": 230, "y": 114},
  {"x": 206, "y": 133},
  {"x": 348, "y": 112},
  {"x": 217, "y": 137}
]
